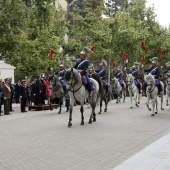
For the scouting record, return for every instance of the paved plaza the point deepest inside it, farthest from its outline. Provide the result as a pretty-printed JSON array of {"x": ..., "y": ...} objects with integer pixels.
[{"x": 41, "y": 140}]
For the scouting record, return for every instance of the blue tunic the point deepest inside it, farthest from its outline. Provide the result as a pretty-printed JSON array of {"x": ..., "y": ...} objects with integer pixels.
[
  {"x": 135, "y": 74},
  {"x": 83, "y": 66},
  {"x": 166, "y": 71},
  {"x": 155, "y": 72},
  {"x": 119, "y": 75},
  {"x": 61, "y": 75}
]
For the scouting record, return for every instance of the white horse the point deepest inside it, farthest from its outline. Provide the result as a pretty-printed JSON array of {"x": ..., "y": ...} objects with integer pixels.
[
  {"x": 117, "y": 88},
  {"x": 133, "y": 90},
  {"x": 167, "y": 89},
  {"x": 78, "y": 92},
  {"x": 152, "y": 93}
]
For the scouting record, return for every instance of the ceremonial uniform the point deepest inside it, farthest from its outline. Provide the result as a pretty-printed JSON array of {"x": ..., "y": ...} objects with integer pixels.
[
  {"x": 155, "y": 71},
  {"x": 6, "y": 96},
  {"x": 23, "y": 95},
  {"x": 135, "y": 74},
  {"x": 82, "y": 65},
  {"x": 168, "y": 68},
  {"x": 119, "y": 76},
  {"x": 61, "y": 75}
]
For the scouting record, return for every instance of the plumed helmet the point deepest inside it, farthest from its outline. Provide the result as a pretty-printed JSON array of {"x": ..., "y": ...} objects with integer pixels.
[
  {"x": 167, "y": 64},
  {"x": 154, "y": 60},
  {"x": 135, "y": 65},
  {"x": 82, "y": 53},
  {"x": 104, "y": 63}
]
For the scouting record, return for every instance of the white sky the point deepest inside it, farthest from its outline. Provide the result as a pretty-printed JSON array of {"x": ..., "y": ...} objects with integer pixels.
[{"x": 162, "y": 10}]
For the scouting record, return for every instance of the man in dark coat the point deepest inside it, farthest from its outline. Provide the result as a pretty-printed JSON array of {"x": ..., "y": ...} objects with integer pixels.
[
  {"x": 23, "y": 95},
  {"x": 39, "y": 91},
  {"x": 12, "y": 93},
  {"x": 17, "y": 90},
  {"x": 1, "y": 97}
]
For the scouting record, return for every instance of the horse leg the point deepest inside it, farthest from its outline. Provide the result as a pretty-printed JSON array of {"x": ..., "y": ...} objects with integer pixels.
[
  {"x": 147, "y": 104},
  {"x": 93, "y": 115},
  {"x": 153, "y": 106},
  {"x": 167, "y": 96},
  {"x": 60, "y": 103},
  {"x": 131, "y": 100},
  {"x": 124, "y": 95},
  {"x": 67, "y": 104},
  {"x": 100, "y": 106},
  {"x": 51, "y": 104},
  {"x": 70, "y": 116},
  {"x": 162, "y": 100},
  {"x": 156, "y": 101},
  {"x": 136, "y": 97},
  {"x": 106, "y": 102},
  {"x": 82, "y": 116}
]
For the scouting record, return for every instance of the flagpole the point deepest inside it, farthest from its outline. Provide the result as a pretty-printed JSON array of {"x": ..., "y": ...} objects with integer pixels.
[{"x": 109, "y": 68}]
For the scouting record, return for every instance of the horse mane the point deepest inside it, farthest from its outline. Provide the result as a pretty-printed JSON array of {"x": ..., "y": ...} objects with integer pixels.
[
  {"x": 130, "y": 75},
  {"x": 76, "y": 75},
  {"x": 149, "y": 76}
]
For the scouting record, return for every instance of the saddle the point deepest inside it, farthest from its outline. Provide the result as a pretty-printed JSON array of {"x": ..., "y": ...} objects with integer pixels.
[{"x": 84, "y": 82}]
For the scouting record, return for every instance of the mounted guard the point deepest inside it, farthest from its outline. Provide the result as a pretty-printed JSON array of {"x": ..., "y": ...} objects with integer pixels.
[
  {"x": 135, "y": 74},
  {"x": 82, "y": 66},
  {"x": 119, "y": 76},
  {"x": 61, "y": 75},
  {"x": 168, "y": 68},
  {"x": 155, "y": 71}
]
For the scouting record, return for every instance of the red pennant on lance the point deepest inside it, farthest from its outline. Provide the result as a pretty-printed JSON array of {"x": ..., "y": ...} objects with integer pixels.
[
  {"x": 161, "y": 55},
  {"x": 113, "y": 63},
  {"x": 92, "y": 48},
  {"x": 51, "y": 54},
  {"x": 143, "y": 46},
  {"x": 143, "y": 60},
  {"x": 124, "y": 57}
]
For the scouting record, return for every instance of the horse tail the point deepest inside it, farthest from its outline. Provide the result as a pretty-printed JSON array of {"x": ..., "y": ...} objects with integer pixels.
[{"x": 97, "y": 78}]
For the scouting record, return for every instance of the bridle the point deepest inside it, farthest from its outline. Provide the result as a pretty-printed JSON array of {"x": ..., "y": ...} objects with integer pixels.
[{"x": 72, "y": 84}]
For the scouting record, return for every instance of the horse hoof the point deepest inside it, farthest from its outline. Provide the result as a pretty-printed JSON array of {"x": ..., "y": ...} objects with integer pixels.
[
  {"x": 131, "y": 107},
  {"x": 105, "y": 110},
  {"x": 94, "y": 119},
  {"x": 90, "y": 122},
  {"x": 162, "y": 109},
  {"x": 137, "y": 105},
  {"x": 59, "y": 112},
  {"x": 116, "y": 102},
  {"x": 123, "y": 101},
  {"x": 156, "y": 112},
  {"x": 99, "y": 113},
  {"x": 67, "y": 110},
  {"x": 167, "y": 104},
  {"x": 149, "y": 109},
  {"x": 69, "y": 124},
  {"x": 51, "y": 109},
  {"x": 82, "y": 123},
  {"x": 138, "y": 102},
  {"x": 152, "y": 114}
]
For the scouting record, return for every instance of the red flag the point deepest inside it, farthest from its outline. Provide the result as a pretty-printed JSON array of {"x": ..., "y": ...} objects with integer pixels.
[
  {"x": 51, "y": 54},
  {"x": 92, "y": 48},
  {"x": 124, "y": 57},
  {"x": 143, "y": 46},
  {"x": 161, "y": 55},
  {"x": 143, "y": 60},
  {"x": 113, "y": 63}
]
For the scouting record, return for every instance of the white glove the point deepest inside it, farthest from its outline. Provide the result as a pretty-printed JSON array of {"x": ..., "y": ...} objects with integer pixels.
[
  {"x": 4, "y": 97},
  {"x": 20, "y": 96}
]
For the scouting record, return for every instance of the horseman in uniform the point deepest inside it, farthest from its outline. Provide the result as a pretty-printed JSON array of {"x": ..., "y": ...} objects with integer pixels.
[
  {"x": 155, "y": 71},
  {"x": 103, "y": 73},
  {"x": 82, "y": 66},
  {"x": 135, "y": 74},
  {"x": 61, "y": 75},
  {"x": 119, "y": 76},
  {"x": 168, "y": 68}
]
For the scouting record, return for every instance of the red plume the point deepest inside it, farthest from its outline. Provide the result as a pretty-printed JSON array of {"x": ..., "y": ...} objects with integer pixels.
[
  {"x": 113, "y": 63},
  {"x": 143, "y": 60},
  {"x": 161, "y": 55},
  {"x": 51, "y": 54}
]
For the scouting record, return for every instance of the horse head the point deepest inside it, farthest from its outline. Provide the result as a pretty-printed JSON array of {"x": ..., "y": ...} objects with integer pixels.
[
  {"x": 72, "y": 77},
  {"x": 129, "y": 79},
  {"x": 150, "y": 80}
]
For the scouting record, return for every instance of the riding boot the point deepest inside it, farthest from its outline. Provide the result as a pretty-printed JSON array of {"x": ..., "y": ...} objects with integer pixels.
[
  {"x": 107, "y": 88},
  {"x": 139, "y": 88},
  {"x": 159, "y": 88},
  {"x": 89, "y": 88},
  {"x": 144, "y": 89}
]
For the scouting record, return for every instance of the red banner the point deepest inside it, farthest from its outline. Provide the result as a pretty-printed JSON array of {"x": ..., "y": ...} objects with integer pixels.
[
  {"x": 51, "y": 54},
  {"x": 143, "y": 46},
  {"x": 113, "y": 63},
  {"x": 92, "y": 48},
  {"x": 124, "y": 57},
  {"x": 161, "y": 55}
]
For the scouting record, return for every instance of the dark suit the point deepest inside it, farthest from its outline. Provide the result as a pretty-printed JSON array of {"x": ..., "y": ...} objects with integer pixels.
[
  {"x": 12, "y": 94},
  {"x": 23, "y": 97},
  {"x": 17, "y": 91},
  {"x": 39, "y": 91}
]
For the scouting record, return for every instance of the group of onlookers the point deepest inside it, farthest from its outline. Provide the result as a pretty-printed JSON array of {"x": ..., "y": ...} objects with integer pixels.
[{"x": 25, "y": 93}]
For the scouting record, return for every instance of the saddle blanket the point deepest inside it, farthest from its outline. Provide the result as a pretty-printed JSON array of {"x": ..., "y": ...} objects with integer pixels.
[{"x": 84, "y": 82}]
